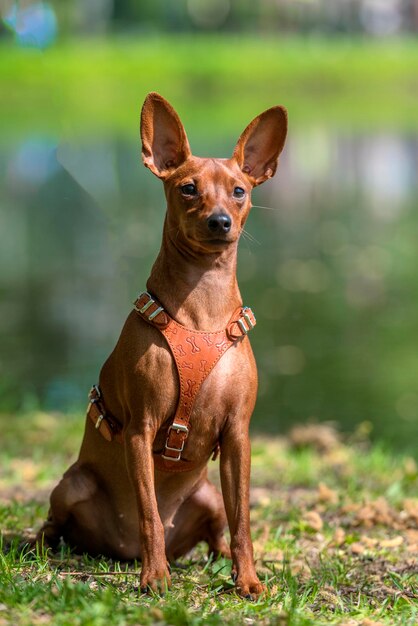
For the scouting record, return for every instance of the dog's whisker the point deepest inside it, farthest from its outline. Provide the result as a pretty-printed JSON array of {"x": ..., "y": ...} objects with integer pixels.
[
  {"x": 268, "y": 208},
  {"x": 249, "y": 236}
]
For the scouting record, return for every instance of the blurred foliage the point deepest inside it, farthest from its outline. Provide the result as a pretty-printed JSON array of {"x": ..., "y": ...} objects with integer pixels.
[
  {"x": 333, "y": 281},
  {"x": 378, "y": 17},
  {"x": 98, "y": 85}
]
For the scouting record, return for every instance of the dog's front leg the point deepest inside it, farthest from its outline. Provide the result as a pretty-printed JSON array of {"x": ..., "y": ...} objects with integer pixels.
[
  {"x": 235, "y": 465},
  {"x": 140, "y": 463}
]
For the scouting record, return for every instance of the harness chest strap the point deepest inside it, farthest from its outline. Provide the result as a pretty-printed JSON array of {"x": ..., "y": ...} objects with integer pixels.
[{"x": 196, "y": 354}]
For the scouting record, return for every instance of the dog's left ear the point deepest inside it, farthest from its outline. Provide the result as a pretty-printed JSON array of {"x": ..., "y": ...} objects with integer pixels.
[
  {"x": 164, "y": 140},
  {"x": 261, "y": 143}
]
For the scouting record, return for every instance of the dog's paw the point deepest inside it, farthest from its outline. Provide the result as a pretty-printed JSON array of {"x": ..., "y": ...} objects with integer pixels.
[
  {"x": 154, "y": 579},
  {"x": 249, "y": 588}
]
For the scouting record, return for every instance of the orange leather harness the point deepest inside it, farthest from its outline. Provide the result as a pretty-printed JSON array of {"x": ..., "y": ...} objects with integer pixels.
[{"x": 196, "y": 354}]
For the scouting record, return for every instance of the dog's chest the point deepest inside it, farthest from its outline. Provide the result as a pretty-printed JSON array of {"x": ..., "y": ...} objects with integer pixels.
[{"x": 219, "y": 398}]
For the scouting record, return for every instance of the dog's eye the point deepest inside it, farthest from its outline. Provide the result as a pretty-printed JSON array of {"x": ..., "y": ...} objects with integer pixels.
[
  {"x": 189, "y": 189},
  {"x": 239, "y": 192}
]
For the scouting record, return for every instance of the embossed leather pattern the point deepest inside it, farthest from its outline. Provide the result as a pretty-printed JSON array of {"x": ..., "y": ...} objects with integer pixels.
[{"x": 196, "y": 354}]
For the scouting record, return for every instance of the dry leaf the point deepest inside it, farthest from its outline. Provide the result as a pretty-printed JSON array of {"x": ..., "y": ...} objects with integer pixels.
[
  {"x": 328, "y": 594},
  {"x": 392, "y": 543},
  {"x": 301, "y": 569},
  {"x": 339, "y": 536},
  {"x": 349, "y": 507},
  {"x": 325, "y": 494},
  {"x": 411, "y": 535},
  {"x": 321, "y": 437},
  {"x": 411, "y": 508},
  {"x": 377, "y": 512},
  {"x": 383, "y": 512},
  {"x": 313, "y": 520},
  {"x": 370, "y": 542},
  {"x": 413, "y": 547},
  {"x": 365, "y": 515},
  {"x": 357, "y": 548}
]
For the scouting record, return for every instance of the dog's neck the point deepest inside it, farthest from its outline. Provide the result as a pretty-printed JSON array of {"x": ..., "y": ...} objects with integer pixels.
[{"x": 199, "y": 290}]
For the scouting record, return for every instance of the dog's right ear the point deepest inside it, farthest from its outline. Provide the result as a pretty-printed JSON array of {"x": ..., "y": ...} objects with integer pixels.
[
  {"x": 261, "y": 143},
  {"x": 164, "y": 140}
]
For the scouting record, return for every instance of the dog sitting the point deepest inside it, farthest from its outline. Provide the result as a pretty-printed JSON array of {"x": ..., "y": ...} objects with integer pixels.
[{"x": 180, "y": 385}]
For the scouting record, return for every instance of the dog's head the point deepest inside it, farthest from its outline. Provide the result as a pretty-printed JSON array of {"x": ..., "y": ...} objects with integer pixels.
[{"x": 209, "y": 199}]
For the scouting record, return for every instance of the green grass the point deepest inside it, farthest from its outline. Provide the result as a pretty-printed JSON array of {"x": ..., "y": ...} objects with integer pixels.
[
  {"x": 97, "y": 85},
  {"x": 334, "y": 528}
]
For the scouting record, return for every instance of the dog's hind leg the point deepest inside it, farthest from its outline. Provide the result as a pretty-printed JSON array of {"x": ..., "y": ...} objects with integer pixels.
[
  {"x": 201, "y": 517},
  {"x": 75, "y": 487}
]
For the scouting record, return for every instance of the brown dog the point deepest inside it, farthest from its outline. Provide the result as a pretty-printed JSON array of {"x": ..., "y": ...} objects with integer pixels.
[{"x": 139, "y": 488}]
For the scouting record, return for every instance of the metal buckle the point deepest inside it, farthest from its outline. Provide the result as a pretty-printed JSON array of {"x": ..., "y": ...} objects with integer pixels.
[
  {"x": 170, "y": 458},
  {"x": 155, "y": 313},
  {"x": 147, "y": 305},
  {"x": 246, "y": 318},
  {"x": 95, "y": 389},
  {"x": 179, "y": 450},
  {"x": 99, "y": 421},
  {"x": 178, "y": 428}
]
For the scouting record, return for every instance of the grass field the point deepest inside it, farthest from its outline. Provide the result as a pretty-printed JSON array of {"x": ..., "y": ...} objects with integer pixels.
[
  {"x": 335, "y": 528},
  {"x": 93, "y": 85}
]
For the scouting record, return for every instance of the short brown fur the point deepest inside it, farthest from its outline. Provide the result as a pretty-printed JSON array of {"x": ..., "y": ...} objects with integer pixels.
[{"x": 113, "y": 501}]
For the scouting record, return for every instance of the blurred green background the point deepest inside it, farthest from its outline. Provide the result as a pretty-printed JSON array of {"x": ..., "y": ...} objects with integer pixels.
[{"x": 330, "y": 270}]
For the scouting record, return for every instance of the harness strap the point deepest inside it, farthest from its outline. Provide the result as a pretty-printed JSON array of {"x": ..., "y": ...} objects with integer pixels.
[
  {"x": 195, "y": 353},
  {"x": 105, "y": 423}
]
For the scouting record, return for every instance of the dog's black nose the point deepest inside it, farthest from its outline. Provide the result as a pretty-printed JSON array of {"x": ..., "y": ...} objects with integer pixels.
[{"x": 219, "y": 223}]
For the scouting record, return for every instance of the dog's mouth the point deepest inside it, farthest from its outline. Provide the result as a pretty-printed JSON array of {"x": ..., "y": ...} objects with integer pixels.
[
  {"x": 209, "y": 242},
  {"x": 211, "y": 245},
  {"x": 218, "y": 238},
  {"x": 219, "y": 241}
]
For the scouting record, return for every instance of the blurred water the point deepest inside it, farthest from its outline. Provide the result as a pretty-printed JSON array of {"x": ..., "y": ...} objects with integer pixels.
[{"x": 330, "y": 273}]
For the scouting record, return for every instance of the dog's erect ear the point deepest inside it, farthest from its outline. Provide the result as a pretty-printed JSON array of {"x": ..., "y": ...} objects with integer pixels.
[
  {"x": 261, "y": 143},
  {"x": 164, "y": 140}
]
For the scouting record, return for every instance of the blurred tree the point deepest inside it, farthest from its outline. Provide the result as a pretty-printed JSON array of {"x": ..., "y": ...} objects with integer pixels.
[{"x": 376, "y": 17}]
